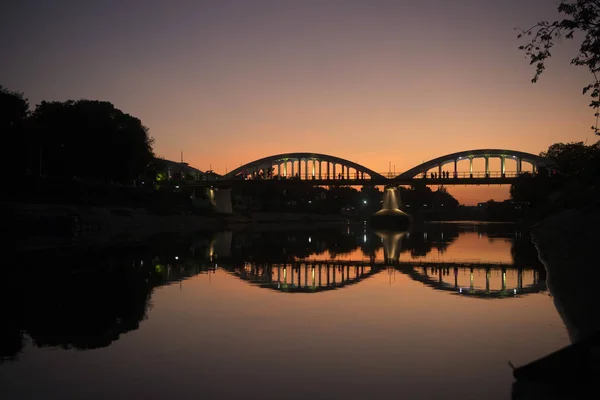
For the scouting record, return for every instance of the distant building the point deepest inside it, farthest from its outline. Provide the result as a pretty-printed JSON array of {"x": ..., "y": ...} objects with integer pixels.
[{"x": 182, "y": 170}]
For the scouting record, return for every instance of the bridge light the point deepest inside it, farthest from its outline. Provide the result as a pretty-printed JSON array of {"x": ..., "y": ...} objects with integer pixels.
[
  {"x": 177, "y": 258},
  {"x": 364, "y": 201}
]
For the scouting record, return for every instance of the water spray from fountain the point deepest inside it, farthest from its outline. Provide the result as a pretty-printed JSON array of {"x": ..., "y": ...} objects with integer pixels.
[{"x": 390, "y": 216}]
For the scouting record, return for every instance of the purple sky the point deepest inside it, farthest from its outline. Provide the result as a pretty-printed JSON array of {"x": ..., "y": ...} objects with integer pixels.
[{"x": 372, "y": 81}]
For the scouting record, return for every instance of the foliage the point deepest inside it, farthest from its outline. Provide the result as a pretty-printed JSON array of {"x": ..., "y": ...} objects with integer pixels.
[
  {"x": 91, "y": 139},
  {"x": 14, "y": 110},
  {"x": 575, "y": 159},
  {"x": 575, "y": 185},
  {"x": 581, "y": 16}
]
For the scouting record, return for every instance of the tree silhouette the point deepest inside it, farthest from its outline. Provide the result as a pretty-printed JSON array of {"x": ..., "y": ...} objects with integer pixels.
[
  {"x": 14, "y": 110},
  {"x": 581, "y": 16},
  {"x": 90, "y": 139}
]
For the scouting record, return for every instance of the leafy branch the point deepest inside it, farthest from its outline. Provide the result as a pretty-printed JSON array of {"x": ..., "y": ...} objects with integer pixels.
[{"x": 582, "y": 16}]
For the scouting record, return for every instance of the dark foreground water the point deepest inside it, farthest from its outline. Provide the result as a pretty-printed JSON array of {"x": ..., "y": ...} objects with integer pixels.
[{"x": 345, "y": 313}]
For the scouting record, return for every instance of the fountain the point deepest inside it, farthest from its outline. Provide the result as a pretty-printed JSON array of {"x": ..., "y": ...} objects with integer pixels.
[{"x": 390, "y": 216}]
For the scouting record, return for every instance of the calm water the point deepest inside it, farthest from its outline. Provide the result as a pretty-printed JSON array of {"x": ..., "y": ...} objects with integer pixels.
[{"x": 343, "y": 313}]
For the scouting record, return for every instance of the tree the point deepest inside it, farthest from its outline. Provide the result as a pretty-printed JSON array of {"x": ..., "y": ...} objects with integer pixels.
[
  {"x": 577, "y": 183},
  {"x": 14, "y": 110},
  {"x": 581, "y": 16},
  {"x": 91, "y": 139},
  {"x": 575, "y": 159}
]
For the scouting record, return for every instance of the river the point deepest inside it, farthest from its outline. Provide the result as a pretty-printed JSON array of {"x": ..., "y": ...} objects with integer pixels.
[{"x": 438, "y": 312}]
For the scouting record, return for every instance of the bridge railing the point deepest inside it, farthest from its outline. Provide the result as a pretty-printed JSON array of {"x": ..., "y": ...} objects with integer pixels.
[
  {"x": 474, "y": 174},
  {"x": 390, "y": 175}
]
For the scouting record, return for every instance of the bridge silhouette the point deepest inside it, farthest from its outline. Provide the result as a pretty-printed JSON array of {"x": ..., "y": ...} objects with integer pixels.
[{"x": 323, "y": 169}]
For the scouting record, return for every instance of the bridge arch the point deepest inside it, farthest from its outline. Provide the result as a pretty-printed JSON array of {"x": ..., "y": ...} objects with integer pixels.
[
  {"x": 303, "y": 166},
  {"x": 503, "y": 154}
]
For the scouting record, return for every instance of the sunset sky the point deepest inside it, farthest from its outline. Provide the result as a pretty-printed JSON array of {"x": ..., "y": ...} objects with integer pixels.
[{"x": 375, "y": 82}]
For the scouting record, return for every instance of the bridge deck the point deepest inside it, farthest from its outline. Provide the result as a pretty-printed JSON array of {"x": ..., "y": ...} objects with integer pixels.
[{"x": 355, "y": 182}]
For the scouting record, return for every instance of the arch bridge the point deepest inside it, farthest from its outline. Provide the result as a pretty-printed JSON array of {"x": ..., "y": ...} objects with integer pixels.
[
  {"x": 322, "y": 168},
  {"x": 504, "y": 155},
  {"x": 303, "y": 166}
]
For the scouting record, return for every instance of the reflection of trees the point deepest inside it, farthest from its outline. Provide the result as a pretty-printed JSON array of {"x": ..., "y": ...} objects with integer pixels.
[
  {"x": 281, "y": 246},
  {"x": 83, "y": 308},
  {"x": 524, "y": 253},
  {"x": 422, "y": 240},
  {"x": 83, "y": 300}
]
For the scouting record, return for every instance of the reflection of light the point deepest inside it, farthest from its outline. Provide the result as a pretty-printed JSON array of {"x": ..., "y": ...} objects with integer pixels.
[
  {"x": 309, "y": 239},
  {"x": 364, "y": 238},
  {"x": 176, "y": 187},
  {"x": 460, "y": 290},
  {"x": 424, "y": 235},
  {"x": 364, "y": 202},
  {"x": 177, "y": 258},
  {"x": 310, "y": 202},
  {"x": 515, "y": 291}
]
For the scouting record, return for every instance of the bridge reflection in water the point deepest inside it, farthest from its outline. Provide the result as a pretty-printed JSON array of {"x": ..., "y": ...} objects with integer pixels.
[{"x": 476, "y": 280}]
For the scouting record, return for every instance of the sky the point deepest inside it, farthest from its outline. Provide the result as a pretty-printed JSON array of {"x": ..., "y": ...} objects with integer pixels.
[{"x": 378, "y": 82}]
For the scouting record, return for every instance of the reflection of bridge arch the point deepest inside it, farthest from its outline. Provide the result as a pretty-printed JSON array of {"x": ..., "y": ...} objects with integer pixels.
[
  {"x": 502, "y": 154},
  {"x": 537, "y": 285},
  {"x": 305, "y": 166},
  {"x": 304, "y": 277},
  {"x": 318, "y": 276}
]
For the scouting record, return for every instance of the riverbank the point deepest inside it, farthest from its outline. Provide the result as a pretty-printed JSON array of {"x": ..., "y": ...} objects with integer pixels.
[
  {"x": 567, "y": 246},
  {"x": 46, "y": 226}
]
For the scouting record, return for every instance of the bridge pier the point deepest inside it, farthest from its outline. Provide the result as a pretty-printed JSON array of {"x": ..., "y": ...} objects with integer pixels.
[
  {"x": 221, "y": 200},
  {"x": 487, "y": 166},
  {"x": 472, "y": 283},
  {"x": 470, "y": 166}
]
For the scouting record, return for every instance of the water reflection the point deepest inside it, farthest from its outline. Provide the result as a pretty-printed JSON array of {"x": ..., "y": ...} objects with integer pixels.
[
  {"x": 89, "y": 299},
  {"x": 487, "y": 281},
  {"x": 86, "y": 300}
]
